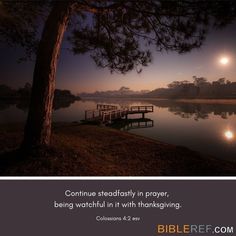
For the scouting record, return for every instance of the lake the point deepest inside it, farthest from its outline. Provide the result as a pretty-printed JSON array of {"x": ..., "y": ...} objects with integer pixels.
[{"x": 208, "y": 128}]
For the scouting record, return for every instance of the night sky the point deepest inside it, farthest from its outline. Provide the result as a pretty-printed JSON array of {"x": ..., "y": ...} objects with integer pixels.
[{"x": 80, "y": 74}]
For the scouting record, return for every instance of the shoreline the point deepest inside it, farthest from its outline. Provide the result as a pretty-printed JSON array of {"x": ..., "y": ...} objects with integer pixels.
[
  {"x": 183, "y": 100},
  {"x": 208, "y": 101},
  {"x": 88, "y": 150}
]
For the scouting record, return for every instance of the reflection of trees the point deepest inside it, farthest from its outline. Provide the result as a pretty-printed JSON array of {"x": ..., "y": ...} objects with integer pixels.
[
  {"x": 188, "y": 110},
  {"x": 181, "y": 109},
  {"x": 195, "y": 110},
  {"x": 6, "y": 104},
  {"x": 202, "y": 111},
  {"x": 224, "y": 115},
  {"x": 24, "y": 104},
  {"x": 62, "y": 103},
  {"x": 128, "y": 124},
  {"x": 200, "y": 115}
]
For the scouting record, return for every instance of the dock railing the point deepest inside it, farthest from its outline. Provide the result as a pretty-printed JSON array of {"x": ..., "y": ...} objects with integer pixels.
[
  {"x": 105, "y": 107},
  {"x": 107, "y": 113},
  {"x": 141, "y": 108},
  {"x": 92, "y": 114},
  {"x": 114, "y": 114}
]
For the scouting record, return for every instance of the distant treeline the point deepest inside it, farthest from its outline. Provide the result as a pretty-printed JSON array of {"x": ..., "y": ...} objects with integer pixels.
[
  {"x": 7, "y": 93},
  {"x": 122, "y": 92},
  {"x": 199, "y": 88}
]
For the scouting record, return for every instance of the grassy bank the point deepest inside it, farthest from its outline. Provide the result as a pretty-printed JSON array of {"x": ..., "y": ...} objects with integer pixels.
[{"x": 83, "y": 150}]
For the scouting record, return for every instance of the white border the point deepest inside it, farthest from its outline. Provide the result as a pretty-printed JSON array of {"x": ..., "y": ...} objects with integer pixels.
[{"x": 119, "y": 178}]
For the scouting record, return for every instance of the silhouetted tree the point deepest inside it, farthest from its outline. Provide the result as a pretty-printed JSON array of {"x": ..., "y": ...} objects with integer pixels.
[
  {"x": 176, "y": 84},
  {"x": 25, "y": 92},
  {"x": 115, "y": 33},
  {"x": 199, "y": 81},
  {"x": 221, "y": 81},
  {"x": 173, "y": 84}
]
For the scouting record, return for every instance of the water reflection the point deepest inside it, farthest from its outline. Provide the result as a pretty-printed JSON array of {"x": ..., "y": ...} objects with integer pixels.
[
  {"x": 5, "y": 105},
  {"x": 195, "y": 110},
  {"x": 189, "y": 110},
  {"x": 24, "y": 104},
  {"x": 229, "y": 135},
  {"x": 208, "y": 128},
  {"x": 197, "y": 126},
  {"x": 184, "y": 110},
  {"x": 129, "y": 124}
]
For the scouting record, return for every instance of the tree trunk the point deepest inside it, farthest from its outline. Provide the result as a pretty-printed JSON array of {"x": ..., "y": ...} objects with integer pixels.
[{"x": 38, "y": 126}]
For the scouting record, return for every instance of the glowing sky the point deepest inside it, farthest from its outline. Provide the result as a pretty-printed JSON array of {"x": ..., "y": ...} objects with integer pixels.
[{"x": 80, "y": 74}]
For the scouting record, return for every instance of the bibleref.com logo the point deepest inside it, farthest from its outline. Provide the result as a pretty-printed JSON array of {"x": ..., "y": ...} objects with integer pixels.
[{"x": 193, "y": 229}]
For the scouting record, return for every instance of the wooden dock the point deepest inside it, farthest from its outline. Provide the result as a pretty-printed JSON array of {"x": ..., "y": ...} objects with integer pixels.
[{"x": 107, "y": 113}]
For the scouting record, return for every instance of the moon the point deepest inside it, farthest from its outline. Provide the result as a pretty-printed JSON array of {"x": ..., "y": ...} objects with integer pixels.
[{"x": 224, "y": 60}]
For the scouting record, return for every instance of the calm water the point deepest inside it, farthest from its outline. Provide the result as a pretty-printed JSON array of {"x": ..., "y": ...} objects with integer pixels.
[{"x": 206, "y": 128}]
